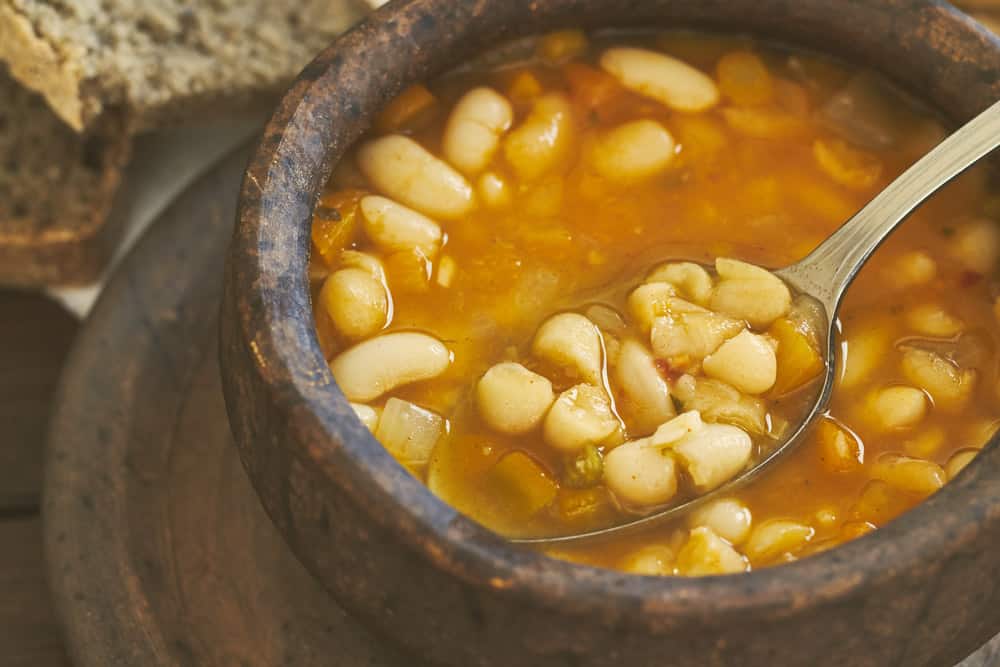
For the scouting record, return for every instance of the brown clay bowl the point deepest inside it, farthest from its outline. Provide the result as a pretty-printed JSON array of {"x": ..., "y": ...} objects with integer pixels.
[{"x": 921, "y": 591}]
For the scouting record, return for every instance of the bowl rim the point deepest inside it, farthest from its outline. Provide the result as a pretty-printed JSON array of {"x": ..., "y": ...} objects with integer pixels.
[{"x": 268, "y": 264}]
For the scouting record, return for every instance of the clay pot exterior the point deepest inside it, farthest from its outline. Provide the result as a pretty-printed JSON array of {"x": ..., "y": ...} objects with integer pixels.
[{"x": 921, "y": 591}]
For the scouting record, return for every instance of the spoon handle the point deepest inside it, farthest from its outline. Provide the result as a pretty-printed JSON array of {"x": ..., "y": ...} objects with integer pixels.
[{"x": 828, "y": 270}]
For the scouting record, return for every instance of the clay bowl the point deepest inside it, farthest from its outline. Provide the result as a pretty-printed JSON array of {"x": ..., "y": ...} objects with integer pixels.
[{"x": 921, "y": 591}]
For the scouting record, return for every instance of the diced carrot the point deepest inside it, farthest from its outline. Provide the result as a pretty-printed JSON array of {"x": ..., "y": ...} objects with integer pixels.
[
  {"x": 839, "y": 449},
  {"x": 766, "y": 123},
  {"x": 408, "y": 271},
  {"x": 405, "y": 108},
  {"x": 336, "y": 224},
  {"x": 522, "y": 483},
  {"x": 798, "y": 360}
]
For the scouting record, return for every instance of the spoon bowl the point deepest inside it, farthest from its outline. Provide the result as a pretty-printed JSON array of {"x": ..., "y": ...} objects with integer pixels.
[{"x": 823, "y": 276}]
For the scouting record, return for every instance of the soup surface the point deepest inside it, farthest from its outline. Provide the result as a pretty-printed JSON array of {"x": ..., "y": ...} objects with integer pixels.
[{"x": 514, "y": 285}]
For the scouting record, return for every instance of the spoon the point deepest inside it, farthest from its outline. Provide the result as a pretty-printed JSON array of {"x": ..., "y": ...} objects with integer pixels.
[{"x": 825, "y": 274}]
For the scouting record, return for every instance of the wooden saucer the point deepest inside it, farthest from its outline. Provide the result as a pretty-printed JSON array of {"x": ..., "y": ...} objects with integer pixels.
[{"x": 158, "y": 550}]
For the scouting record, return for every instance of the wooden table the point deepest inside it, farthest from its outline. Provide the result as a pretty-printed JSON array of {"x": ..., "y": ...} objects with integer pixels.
[{"x": 35, "y": 335}]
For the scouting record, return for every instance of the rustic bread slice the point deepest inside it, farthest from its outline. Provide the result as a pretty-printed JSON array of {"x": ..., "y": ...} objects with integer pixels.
[
  {"x": 163, "y": 61},
  {"x": 56, "y": 189}
]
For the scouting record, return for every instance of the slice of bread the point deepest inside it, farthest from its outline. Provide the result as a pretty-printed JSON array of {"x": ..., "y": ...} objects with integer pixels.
[
  {"x": 56, "y": 189},
  {"x": 160, "y": 62}
]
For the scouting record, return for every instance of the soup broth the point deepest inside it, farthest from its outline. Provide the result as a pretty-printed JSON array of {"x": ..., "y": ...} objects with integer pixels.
[{"x": 492, "y": 265}]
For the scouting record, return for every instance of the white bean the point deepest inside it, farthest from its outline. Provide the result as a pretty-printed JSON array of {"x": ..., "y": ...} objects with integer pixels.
[
  {"x": 948, "y": 385},
  {"x": 674, "y": 430},
  {"x": 976, "y": 245},
  {"x": 909, "y": 473},
  {"x": 474, "y": 128},
  {"x": 357, "y": 303},
  {"x": 705, "y": 553},
  {"x": 691, "y": 336},
  {"x": 367, "y": 414},
  {"x": 746, "y": 361},
  {"x": 369, "y": 263},
  {"x": 581, "y": 416},
  {"x": 375, "y": 366},
  {"x": 693, "y": 281},
  {"x": 911, "y": 269},
  {"x": 749, "y": 293},
  {"x": 543, "y": 140},
  {"x": 407, "y": 172},
  {"x": 647, "y": 302},
  {"x": 573, "y": 341},
  {"x": 651, "y": 560},
  {"x": 714, "y": 454},
  {"x": 395, "y": 227},
  {"x": 777, "y": 536},
  {"x": 662, "y": 78},
  {"x": 933, "y": 320},
  {"x": 645, "y": 390},
  {"x": 897, "y": 407},
  {"x": 640, "y": 476},
  {"x": 513, "y": 399},
  {"x": 728, "y": 517},
  {"x": 633, "y": 151},
  {"x": 494, "y": 190},
  {"x": 958, "y": 461}
]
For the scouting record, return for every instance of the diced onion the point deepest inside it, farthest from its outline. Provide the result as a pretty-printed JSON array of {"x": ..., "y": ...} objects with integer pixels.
[{"x": 409, "y": 431}]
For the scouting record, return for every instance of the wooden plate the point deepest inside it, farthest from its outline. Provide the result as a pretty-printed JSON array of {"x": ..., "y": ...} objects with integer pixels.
[{"x": 159, "y": 552}]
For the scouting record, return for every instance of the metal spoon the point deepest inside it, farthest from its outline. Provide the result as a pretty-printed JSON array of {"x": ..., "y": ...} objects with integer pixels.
[{"x": 824, "y": 276}]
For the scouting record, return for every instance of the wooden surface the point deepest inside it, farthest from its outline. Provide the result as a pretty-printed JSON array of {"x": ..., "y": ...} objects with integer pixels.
[{"x": 35, "y": 335}]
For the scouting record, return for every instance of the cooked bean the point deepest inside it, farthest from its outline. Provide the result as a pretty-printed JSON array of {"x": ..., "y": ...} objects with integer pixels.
[
  {"x": 714, "y": 454},
  {"x": 543, "y": 140},
  {"x": 705, "y": 553},
  {"x": 911, "y": 269},
  {"x": 367, "y": 414},
  {"x": 778, "y": 536},
  {"x": 673, "y": 430},
  {"x": 646, "y": 392},
  {"x": 357, "y": 303},
  {"x": 949, "y": 385},
  {"x": 862, "y": 352},
  {"x": 375, "y": 366},
  {"x": 494, "y": 190},
  {"x": 897, "y": 407},
  {"x": 647, "y": 302},
  {"x": 633, "y": 151},
  {"x": 746, "y": 361},
  {"x": 640, "y": 476},
  {"x": 727, "y": 517},
  {"x": 395, "y": 227},
  {"x": 909, "y": 474},
  {"x": 689, "y": 337},
  {"x": 404, "y": 170},
  {"x": 933, "y": 320},
  {"x": 571, "y": 340},
  {"x": 716, "y": 401},
  {"x": 652, "y": 560},
  {"x": 958, "y": 461},
  {"x": 370, "y": 264},
  {"x": 749, "y": 293},
  {"x": 513, "y": 399},
  {"x": 692, "y": 280},
  {"x": 658, "y": 76},
  {"x": 474, "y": 128},
  {"x": 975, "y": 244},
  {"x": 581, "y": 416}
]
